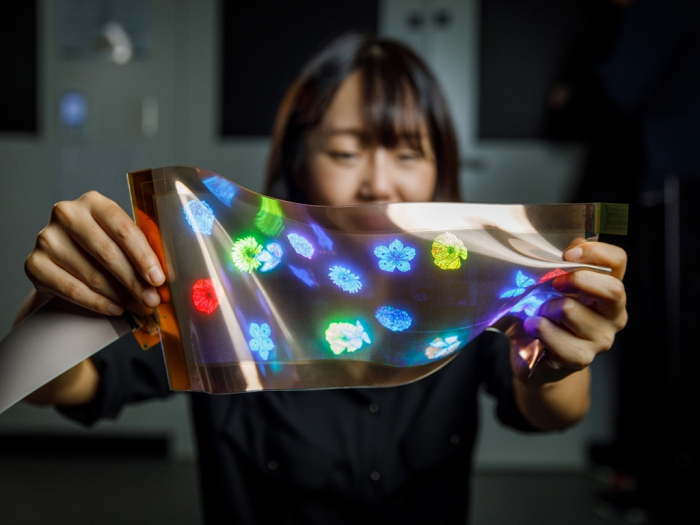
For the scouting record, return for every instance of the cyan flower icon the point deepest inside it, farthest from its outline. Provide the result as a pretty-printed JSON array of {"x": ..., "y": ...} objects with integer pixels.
[
  {"x": 523, "y": 281},
  {"x": 345, "y": 279},
  {"x": 395, "y": 256},
  {"x": 346, "y": 336},
  {"x": 261, "y": 341},
  {"x": 440, "y": 347}
]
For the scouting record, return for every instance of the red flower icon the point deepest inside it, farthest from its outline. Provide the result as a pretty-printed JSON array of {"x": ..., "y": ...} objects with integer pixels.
[
  {"x": 551, "y": 275},
  {"x": 204, "y": 296}
]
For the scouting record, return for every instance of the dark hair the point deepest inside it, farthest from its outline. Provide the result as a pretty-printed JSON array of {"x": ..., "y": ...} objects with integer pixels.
[{"x": 393, "y": 77}]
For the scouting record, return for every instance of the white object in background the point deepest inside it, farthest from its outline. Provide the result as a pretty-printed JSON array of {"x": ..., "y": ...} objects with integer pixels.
[
  {"x": 119, "y": 42},
  {"x": 116, "y": 30},
  {"x": 445, "y": 34}
]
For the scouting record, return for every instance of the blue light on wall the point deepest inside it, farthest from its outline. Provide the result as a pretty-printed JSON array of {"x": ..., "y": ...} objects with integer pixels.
[{"x": 73, "y": 109}]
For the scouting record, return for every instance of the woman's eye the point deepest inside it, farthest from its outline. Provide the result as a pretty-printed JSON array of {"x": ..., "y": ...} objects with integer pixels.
[
  {"x": 406, "y": 156},
  {"x": 342, "y": 155}
]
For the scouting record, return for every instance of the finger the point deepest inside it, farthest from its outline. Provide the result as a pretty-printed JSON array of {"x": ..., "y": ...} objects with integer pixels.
[
  {"x": 90, "y": 236},
  {"x": 603, "y": 293},
  {"x": 598, "y": 254},
  {"x": 563, "y": 348},
  {"x": 126, "y": 299},
  {"x": 122, "y": 229},
  {"x": 581, "y": 321},
  {"x": 54, "y": 280},
  {"x": 593, "y": 284},
  {"x": 68, "y": 255}
]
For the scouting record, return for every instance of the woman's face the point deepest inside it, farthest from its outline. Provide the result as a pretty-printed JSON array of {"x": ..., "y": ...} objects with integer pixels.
[{"x": 340, "y": 170}]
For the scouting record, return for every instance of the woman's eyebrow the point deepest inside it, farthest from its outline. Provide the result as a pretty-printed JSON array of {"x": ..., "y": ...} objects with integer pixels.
[
  {"x": 410, "y": 135},
  {"x": 356, "y": 132}
]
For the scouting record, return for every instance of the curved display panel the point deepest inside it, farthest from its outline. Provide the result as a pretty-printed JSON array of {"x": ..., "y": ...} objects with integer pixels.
[{"x": 267, "y": 294}]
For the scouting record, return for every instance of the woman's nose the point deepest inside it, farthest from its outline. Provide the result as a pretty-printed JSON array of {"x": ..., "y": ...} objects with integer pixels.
[{"x": 377, "y": 182}]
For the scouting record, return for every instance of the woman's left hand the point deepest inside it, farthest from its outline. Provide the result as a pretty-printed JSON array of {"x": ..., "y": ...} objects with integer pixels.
[{"x": 582, "y": 324}]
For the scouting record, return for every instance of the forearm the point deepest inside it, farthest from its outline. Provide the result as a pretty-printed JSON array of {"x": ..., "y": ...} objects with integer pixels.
[{"x": 555, "y": 405}]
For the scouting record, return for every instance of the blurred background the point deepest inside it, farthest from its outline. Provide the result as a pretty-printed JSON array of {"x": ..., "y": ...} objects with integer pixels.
[{"x": 92, "y": 89}]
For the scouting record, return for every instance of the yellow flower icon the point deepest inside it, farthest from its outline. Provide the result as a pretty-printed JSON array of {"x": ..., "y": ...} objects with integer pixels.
[{"x": 447, "y": 251}]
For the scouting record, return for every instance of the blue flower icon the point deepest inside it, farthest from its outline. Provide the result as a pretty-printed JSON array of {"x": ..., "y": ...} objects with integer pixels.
[
  {"x": 529, "y": 305},
  {"x": 395, "y": 256},
  {"x": 199, "y": 216},
  {"x": 522, "y": 281},
  {"x": 345, "y": 279},
  {"x": 303, "y": 275},
  {"x": 392, "y": 318},
  {"x": 223, "y": 189},
  {"x": 301, "y": 245},
  {"x": 323, "y": 240},
  {"x": 261, "y": 341}
]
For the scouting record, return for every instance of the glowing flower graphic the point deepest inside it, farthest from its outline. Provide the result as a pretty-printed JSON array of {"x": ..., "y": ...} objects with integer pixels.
[
  {"x": 528, "y": 306},
  {"x": 301, "y": 245},
  {"x": 447, "y": 251},
  {"x": 222, "y": 189},
  {"x": 346, "y": 336},
  {"x": 269, "y": 218},
  {"x": 440, "y": 347},
  {"x": 551, "y": 275},
  {"x": 261, "y": 342},
  {"x": 199, "y": 216},
  {"x": 243, "y": 254},
  {"x": 392, "y": 318},
  {"x": 204, "y": 296},
  {"x": 323, "y": 240},
  {"x": 522, "y": 282},
  {"x": 304, "y": 275},
  {"x": 345, "y": 279},
  {"x": 270, "y": 257},
  {"x": 395, "y": 256}
]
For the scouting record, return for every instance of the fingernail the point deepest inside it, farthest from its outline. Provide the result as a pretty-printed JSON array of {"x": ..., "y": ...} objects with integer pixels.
[
  {"x": 574, "y": 254},
  {"x": 150, "y": 298},
  {"x": 115, "y": 309},
  {"x": 155, "y": 274}
]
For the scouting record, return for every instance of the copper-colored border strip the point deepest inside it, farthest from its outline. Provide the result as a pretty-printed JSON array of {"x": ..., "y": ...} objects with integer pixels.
[{"x": 146, "y": 216}]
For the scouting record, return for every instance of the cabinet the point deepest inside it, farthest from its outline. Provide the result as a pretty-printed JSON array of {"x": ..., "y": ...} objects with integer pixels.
[{"x": 443, "y": 32}]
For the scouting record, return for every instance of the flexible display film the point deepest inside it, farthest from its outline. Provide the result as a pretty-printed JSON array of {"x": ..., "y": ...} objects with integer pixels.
[{"x": 267, "y": 294}]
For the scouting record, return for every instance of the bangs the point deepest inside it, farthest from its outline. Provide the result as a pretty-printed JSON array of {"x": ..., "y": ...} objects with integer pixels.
[
  {"x": 391, "y": 104},
  {"x": 402, "y": 105}
]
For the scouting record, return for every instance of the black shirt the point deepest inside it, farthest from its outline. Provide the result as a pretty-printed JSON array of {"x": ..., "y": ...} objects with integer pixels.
[{"x": 375, "y": 455}]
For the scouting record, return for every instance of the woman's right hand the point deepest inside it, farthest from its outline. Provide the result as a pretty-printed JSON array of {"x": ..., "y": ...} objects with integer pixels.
[{"x": 92, "y": 254}]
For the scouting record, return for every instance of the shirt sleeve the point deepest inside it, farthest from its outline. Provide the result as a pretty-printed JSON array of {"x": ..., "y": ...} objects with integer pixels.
[
  {"x": 128, "y": 374},
  {"x": 495, "y": 362}
]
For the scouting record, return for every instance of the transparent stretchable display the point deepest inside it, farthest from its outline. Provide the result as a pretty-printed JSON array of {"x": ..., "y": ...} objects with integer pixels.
[{"x": 266, "y": 294}]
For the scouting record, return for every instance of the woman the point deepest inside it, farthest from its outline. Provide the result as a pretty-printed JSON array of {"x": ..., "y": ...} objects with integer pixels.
[{"x": 365, "y": 122}]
